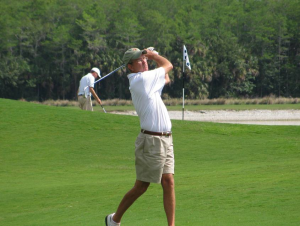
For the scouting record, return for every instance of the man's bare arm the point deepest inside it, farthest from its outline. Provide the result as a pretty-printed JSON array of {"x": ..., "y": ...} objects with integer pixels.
[
  {"x": 161, "y": 61},
  {"x": 95, "y": 95}
]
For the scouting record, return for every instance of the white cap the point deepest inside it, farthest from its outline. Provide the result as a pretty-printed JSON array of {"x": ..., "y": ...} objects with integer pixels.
[{"x": 97, "y": 71}]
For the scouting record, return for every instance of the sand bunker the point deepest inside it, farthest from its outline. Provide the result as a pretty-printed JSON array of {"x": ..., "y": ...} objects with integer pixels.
[{"x": 262, "y": 117}]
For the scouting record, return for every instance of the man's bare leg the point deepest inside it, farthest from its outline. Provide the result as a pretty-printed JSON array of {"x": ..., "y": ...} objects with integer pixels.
[
  {"x": 168, "y": 185},
  {"x": 138, "y": 189}
]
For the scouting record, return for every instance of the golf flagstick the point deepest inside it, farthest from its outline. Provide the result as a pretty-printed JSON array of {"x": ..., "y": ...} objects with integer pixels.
[{"x": 186, "y": 63}]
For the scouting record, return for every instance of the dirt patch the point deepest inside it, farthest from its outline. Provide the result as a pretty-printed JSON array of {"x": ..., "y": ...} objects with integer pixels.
[{"x": 262, "y": 117}]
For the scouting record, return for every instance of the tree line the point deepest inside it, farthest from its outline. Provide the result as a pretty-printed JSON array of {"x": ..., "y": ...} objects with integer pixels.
[{"x": 237, "y": 48}]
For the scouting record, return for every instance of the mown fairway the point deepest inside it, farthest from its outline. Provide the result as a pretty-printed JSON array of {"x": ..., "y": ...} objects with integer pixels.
[{"x": 64, "y": 167}]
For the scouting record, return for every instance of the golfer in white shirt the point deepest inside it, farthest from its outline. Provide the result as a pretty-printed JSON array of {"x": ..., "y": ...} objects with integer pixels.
[
  {"x": 154, "y": 155},
  {"x": 86, "y": 88}
]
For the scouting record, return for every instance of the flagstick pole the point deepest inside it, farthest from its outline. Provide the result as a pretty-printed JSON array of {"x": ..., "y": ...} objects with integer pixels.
[
  {"x": 186, "y": 62},
  {"x": 183, "y": 89},
  {"x": 183, "y": 96}
]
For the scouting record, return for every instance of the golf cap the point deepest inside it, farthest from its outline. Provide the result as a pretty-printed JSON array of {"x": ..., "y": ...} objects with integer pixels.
[
  {"x": 132, "y": 54},
  {"x": 97, "y": 71}
]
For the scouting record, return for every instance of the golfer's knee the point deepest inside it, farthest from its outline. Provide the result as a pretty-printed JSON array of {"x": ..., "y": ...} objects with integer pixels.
[
  {"x": 141, "y": 188},
  {"x": 168, "y": 181}
]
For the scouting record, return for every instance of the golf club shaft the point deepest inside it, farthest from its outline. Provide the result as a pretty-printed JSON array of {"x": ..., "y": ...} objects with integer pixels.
[
  {"x": 103, "y": 109},
  {"x": 109, "y": 73}
]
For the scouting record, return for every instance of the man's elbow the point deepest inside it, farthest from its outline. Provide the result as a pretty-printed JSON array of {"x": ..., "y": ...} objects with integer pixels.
[{"x": 169, "y": 68}]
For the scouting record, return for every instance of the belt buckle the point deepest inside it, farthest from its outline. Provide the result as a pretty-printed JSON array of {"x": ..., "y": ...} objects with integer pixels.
[{"x": 166, "y": 134}]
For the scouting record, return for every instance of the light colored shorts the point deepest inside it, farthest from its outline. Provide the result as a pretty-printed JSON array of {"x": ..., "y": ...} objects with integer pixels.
[
  {"x": 85, "y": 103},
  {"x": 154, "y": 156}
]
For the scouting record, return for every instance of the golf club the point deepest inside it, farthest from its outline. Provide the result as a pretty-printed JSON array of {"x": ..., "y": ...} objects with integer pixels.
[
  {"x": 144, "y": 52},
  {"x": 109, "y": 74},
  {"x": 104, "y": 78},
  {"x": 103, "y": 109}
]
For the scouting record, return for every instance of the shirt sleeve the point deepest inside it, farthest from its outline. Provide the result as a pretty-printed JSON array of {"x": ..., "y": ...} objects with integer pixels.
[{"x": 91, "y": 81}]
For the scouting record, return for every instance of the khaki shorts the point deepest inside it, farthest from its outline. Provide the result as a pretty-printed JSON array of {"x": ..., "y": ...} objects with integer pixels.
[
  {"x": 154, "y": 156},
  {"x": 85, "y": 103}
]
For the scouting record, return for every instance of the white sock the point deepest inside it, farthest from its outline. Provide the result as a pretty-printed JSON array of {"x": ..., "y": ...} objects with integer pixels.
[{"x": 114, "y": 223}]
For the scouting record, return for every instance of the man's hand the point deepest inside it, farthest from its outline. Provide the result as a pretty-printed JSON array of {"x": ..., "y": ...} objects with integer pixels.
[
  {"x": 161, "y": 61},
  {"x": 152, "y": 50},
  {"x": 151, "y": 55}
]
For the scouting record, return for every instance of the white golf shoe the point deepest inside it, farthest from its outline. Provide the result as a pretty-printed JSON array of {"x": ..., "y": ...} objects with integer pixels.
[{"x": 109, "y": 220}]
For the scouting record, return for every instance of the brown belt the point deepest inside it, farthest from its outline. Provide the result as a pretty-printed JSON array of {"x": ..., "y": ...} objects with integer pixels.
[
  {"x": 169, "y": 133},
  {"x": 82, "y": 95}
]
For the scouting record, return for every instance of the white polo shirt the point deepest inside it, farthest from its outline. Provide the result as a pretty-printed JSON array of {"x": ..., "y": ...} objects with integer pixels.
[
  {"x": 86, "y": 82},
  {"x": 146, "y": 88}
]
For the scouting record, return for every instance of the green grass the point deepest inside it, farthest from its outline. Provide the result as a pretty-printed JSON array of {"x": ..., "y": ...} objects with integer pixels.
[{"x": 64, "y": 167}]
